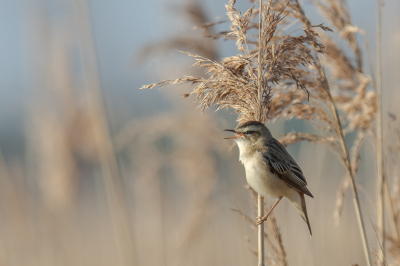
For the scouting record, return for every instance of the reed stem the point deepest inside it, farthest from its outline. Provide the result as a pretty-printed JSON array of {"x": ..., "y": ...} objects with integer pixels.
[
  {"x": 104, "y": 144},
  {"x": 260, "y": 198},
  {"x": 260, "y": 102},
  {"x": 350, "y": 172},
  {"x": 260, "y": 213},
  {"x": 379, "y": 154}
]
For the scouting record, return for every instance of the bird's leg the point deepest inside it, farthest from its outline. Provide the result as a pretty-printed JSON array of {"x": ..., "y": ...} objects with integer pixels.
[{"x": 264, "y": 218}]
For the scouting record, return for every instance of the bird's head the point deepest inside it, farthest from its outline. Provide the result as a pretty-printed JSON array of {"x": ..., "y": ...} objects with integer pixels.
[{"x": 250, "y": 132}]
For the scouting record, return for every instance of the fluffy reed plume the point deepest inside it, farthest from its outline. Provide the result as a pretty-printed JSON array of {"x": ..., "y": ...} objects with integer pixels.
[{"x": 232, "y": 82}]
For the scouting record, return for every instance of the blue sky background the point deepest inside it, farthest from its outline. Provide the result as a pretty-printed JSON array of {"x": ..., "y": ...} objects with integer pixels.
[{"x": 121, "y": 28}]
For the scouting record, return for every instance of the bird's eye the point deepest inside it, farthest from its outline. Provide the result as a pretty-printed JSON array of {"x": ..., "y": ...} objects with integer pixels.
[{"x": 248, "y": 132}]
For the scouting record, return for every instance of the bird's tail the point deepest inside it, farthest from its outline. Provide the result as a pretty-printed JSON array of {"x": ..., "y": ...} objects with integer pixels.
[{"x": 300, "y": 206}]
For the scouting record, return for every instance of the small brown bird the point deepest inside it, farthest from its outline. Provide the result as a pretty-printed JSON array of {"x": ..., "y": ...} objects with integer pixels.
[{"x": 270, "y": 170}]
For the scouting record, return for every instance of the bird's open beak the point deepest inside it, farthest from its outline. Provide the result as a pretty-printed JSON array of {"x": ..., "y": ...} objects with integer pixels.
[{"x": 234, "y": 137}]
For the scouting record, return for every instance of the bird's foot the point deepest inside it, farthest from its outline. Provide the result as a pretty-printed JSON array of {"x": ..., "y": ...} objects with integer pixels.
[{"x": 260, "y": 220}]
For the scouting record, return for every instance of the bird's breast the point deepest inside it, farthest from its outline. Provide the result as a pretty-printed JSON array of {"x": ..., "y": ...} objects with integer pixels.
[{"x": 260, "y": 178}]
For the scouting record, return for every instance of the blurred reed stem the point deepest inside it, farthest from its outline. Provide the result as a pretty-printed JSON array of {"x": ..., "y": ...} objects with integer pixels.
[
  {"x": 392, "y": 221},
  {"x": 15, "y": 213},
  {"x": 379, "y": 143},
  {"x": 104, "y": 145}
]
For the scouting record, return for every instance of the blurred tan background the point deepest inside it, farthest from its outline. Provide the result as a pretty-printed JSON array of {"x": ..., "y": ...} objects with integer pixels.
[{"x": 95, "y": 172}]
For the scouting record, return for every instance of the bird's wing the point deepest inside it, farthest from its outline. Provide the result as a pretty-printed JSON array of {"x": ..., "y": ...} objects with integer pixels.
[{"x": 278, "y": 159}]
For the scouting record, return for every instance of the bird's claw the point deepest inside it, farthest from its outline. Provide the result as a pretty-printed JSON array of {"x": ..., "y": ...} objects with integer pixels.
[{"x": 260, "y": 220}]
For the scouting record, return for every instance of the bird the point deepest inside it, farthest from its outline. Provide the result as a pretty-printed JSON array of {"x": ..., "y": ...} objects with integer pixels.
[{"x": 270, "y": 170}]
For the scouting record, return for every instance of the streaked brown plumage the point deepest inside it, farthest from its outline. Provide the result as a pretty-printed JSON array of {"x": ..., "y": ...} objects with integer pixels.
[{"x": 270, "y": 170}]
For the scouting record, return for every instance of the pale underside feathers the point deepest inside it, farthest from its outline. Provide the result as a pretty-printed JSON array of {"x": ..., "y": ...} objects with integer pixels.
[{"x": 286, "y": 168}]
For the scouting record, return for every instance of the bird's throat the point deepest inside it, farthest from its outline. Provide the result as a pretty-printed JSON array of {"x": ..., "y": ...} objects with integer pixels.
[{"x": 246, "y": 152}]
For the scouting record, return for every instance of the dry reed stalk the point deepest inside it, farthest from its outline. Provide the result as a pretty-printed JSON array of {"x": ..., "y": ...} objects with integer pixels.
[
  {"x": 17, "y": 220},
  {"x": 104, "y": 145},
  {"x": 272, "y": 236},
  {"x": 57, "y": 164},
  {"x": 379, "y": 143},
  {"x": 260, "y": 213},
  {"x": 393, "y": 240},
  {"x": 278, "y": 239},
  {"x": 390, "y": 155},
  {"x": 260, "y": 202},
  {"x": 396, "y": 191},
  {"x": 51, "y": 148},
  {"x": 356, "y": 200},
  {"x": 52, "y": 123}
]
